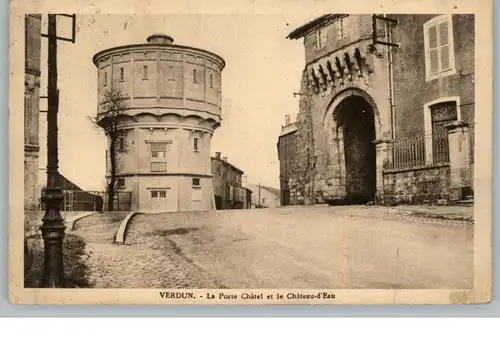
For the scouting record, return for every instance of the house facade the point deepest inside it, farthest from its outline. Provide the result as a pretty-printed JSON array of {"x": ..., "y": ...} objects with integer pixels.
[
  {"x": 227, "y": 185},
  {"x": 286, "y": 151},
  {"x": 173, "y": 106},
  {"x": 386, "y": 110},
  {"x": 32, "y": 33},
  {"x": 264, "y": 196}
]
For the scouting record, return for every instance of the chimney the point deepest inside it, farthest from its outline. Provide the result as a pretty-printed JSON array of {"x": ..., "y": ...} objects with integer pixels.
[
  {"x": 217, "y": 155},
  {"x": 287, "y": 119},
  {"x": 224, "y": 159}
]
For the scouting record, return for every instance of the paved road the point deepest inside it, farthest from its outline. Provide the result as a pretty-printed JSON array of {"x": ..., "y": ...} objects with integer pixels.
[{"x": 299, "y": 247}]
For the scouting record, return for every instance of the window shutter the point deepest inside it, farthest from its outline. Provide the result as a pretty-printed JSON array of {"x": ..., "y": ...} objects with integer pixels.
[
  {"x": 444, "y": 45},
  {"x": 433, "y": 49}
]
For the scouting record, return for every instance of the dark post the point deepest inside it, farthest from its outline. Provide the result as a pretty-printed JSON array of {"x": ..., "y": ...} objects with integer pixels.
[
  {"x": 52, "y": 228},
  {"x": 259, "y": 195}
]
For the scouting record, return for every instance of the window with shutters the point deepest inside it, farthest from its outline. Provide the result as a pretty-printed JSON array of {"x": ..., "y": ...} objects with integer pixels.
[
  {"x": 439, "y": 47},
  {"x": 158, "y": 158}
]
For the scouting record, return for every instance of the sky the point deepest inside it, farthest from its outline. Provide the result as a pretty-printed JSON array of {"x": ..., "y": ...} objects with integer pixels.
[{"x": 262, "y": 72}]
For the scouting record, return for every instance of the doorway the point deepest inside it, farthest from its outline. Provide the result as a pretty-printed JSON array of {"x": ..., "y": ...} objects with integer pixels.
[
  {"x": 158, "y": 201},
  {"x": 355, "y": 116}
]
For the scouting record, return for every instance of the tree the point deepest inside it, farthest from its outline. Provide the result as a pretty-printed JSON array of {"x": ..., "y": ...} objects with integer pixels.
[{"x": 109, "y": 118}]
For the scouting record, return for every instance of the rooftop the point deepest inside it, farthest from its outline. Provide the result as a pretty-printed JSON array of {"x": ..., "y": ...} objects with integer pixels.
[
  {"x": 228, "y": 164},
  {"x": 154, "y": 42},
  {"x": 304, "y": 29},
  {"x": 288, "y": 129}
]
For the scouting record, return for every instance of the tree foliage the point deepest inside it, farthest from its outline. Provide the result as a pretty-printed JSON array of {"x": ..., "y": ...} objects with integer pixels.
[{"x": 109, "y": 118}]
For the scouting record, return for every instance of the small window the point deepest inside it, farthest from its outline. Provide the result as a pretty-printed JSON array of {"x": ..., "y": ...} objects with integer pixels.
[
  {"x": 263, "y": 200},
  {"x": 163, "y": 194},
  {"x": 105, "y": 79},
  {"x": 154, "y": 194},
  {"x": 171, "y": 74},
  {"x": 196, "y": 182},
  {"x": 158, "y": 154},
  {"x": 144, "y": 72},
  {"x": 320, "y": 38},
  {"x": 211, "y": 81},
  {"x": 120, "y": 182},
  {"x": 121, "y": 74},
  {"x": 121, "y": 143},
  {"x": 158, "y": 166},
  {"x": 195, "y": 144},
  {"x": 195, "y": 76},
  {"x": 339, "y": 25}
]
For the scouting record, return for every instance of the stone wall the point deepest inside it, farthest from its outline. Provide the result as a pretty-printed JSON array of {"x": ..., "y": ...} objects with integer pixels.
[
  {"x": 301, "y": 176},
  {"x": 416, "y": 185}
]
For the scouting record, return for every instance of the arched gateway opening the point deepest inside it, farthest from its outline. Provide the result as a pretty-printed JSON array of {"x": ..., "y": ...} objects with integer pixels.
[{"x": 355, "y": 118}]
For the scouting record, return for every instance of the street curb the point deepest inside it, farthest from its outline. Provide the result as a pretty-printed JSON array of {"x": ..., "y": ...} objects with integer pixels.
[
  {"x": 120, "y": 233},
  {"x": 423, "y": 214},
  {"x": 444, "y": 217},
  {"x": 72, "y": 221}
]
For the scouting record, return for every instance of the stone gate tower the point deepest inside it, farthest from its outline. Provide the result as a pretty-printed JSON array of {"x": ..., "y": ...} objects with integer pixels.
[{"x": 173, "y": 106}]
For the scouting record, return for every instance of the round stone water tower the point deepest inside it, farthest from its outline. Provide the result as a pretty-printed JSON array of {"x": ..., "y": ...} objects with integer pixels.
[{"x": 172, "y": 100}]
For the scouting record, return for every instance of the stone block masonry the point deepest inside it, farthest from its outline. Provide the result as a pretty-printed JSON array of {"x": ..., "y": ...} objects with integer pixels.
[
  {"x": 416, "y": 185},
  {"x": 300, "y": 192}
]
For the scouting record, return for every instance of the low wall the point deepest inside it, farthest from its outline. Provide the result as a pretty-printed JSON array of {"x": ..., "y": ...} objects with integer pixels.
[{"x": 416, "y": 185}]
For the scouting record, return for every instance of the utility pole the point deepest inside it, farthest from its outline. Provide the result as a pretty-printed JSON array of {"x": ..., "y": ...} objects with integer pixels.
[
  {"x": 259, "y": 195},
  {"x": 52, "y": 196}
]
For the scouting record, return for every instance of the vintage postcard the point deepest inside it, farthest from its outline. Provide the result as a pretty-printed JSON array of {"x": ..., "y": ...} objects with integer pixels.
[{"x": 250, "y": 152}]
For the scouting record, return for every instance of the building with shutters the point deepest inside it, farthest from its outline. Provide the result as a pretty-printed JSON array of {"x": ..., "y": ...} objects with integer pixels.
[
  {"x": 32, "y": 33},
  {"x": 386, "y": 110},
  {"x": 173, "y": 107}
]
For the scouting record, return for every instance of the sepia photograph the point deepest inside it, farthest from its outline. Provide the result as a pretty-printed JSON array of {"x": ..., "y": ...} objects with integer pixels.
[{"x": 211, "y": 156}]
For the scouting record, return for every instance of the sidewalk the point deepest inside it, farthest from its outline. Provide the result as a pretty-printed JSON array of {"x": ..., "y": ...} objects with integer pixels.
[{"x": 449, "y": 212}]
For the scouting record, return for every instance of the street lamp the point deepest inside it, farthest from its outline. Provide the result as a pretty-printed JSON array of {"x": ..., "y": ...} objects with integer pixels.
[{"x": 52, "y": 196}]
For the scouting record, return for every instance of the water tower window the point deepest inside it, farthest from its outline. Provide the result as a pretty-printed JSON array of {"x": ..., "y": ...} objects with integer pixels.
[
  {"x": 121, "y": 74},
  {"x": 105, "y": 79},
  {"x": 171, "y": 73},
  {"x": 121, "y": 143},
  {"x": 120, "y": 183},
  {"x": 144, "y": 72},
  {"x": 195, "y": 76},
  {"x": 211, "y": 80},
  {"x": 195, "y": 144}
]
